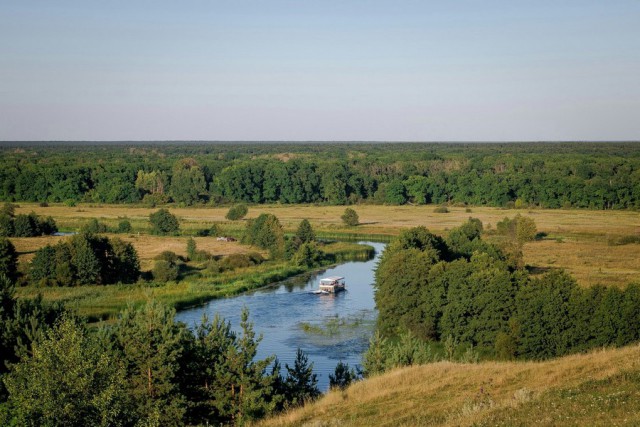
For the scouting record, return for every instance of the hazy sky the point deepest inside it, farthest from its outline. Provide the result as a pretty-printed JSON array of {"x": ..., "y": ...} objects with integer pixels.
[{"x": 320, "y": 70}]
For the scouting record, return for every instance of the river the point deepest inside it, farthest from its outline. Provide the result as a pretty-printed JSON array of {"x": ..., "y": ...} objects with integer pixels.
[{"x": 328, "y": 328}]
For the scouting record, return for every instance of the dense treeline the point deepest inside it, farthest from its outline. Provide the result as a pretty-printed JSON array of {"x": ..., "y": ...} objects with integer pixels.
[
  {"x": 468, "y": 291},
  {"x": 588, "y": 175}
]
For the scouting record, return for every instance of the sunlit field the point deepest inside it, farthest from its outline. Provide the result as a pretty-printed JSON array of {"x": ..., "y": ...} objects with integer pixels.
[{"x": 576, "y": 240}]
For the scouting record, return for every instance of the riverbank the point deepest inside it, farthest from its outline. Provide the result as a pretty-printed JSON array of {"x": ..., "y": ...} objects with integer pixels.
[{"x": 102, "y": 303}]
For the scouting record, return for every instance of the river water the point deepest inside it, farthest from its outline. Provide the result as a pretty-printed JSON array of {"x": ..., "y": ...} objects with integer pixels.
[{"x": 328, "y": 328}]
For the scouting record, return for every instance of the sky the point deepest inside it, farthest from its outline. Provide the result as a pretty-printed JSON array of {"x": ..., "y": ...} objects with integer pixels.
[{"x": 327, "y": 70}]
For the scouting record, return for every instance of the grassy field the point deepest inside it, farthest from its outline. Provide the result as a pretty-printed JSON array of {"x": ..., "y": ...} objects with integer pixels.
[
  {"x": 577, "y": 240},
  {"x": 601, "y": 388}
]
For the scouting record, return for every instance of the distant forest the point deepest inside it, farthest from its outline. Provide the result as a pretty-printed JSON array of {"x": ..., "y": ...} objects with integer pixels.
[{"x": 549, "y": 175}]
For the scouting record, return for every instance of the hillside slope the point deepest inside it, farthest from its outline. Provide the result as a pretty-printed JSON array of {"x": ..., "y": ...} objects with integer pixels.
[{"x": 599, "y": 388}]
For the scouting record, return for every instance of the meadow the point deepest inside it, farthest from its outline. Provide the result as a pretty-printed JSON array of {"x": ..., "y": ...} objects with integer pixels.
[
  {"x": 579, "y": 241},
  {"x": 601, "y": 388}
]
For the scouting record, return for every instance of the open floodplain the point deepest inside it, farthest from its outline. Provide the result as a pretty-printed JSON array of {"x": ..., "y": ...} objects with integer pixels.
[{"x": 586, "y": 243}]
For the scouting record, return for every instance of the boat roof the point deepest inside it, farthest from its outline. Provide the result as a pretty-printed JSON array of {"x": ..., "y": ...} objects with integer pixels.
[{"x": 332, "y": 279}]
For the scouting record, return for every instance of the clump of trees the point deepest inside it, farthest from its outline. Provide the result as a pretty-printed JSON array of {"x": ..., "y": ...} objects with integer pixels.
[
  {"x": 266, "y": 232},
  {"x": 85, "y": 259},
  {"x": 23, "y": 225},
  {"x": 164, "y": 223},
  {"x": 466, "y": 290},
  {"x": 144, "y": 369}
]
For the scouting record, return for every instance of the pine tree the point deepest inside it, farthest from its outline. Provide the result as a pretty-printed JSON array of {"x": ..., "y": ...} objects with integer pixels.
[
  {"x": 8, "y": 258},
  {"x": 342, "y": 376},
  {"x": 150, "y": 343},
  {"x": 301, "y": 382}
]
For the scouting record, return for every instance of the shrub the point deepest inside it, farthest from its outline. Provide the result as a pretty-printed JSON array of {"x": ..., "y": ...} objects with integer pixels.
[
  {"x": 350, "y": 217},
  {"x": 124, "y": 226},
  {"x": 164, "y": 223},
  {"x": 165, "y": 271},
  {"x": 441, "y": 209},
  {"x": 168, "y": 256},
  {"x": 237, "y": 212},
  {"x": 94, "y": 227}
]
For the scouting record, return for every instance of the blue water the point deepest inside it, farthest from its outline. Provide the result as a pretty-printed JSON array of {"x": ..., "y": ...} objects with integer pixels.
[{"x": 280, "y": 311}]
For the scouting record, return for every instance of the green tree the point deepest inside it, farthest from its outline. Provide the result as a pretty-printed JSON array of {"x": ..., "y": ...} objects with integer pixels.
[
  {"x": 266, "y": 232},
  {"x": 94, "y": 226},
  {"x": 342, "y": 376},
  {"x": 187, "y": 182},
  {"x": 308, "y": 255},
  {"x": 43, "y": 265},
  {"x": 164, "y": 223},
  {"x": 125, "y": 265},
  {"x": 374, "y": 359},
  {"x": 86, "y": 263},
  {"x": 70, "y": 380},
  {"x": 6, "y": 226},
  {"x": 305, "y": 233},
  {"x": 350, "y": 218},
  {"x": 150, "y": 343},
  {"x": 8, "y": 259},
  {"x": 124, "y": 226},
  {"x": 191, "y": 248},
  {"x": 165, "y": 271},
  {"x": 301, "y": 382},
  {"x": 237, "y": 212},
  {"x": 24, "y": 226}
]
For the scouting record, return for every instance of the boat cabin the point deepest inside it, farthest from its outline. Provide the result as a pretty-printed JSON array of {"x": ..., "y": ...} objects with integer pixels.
[{"x": 332, "y": 284}]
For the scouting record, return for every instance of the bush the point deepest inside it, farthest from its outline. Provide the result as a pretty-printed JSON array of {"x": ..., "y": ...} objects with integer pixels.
[
  {"x": 441, "y": 209},
  {"x": 237, "y": 212},
  {"x": 164, "y": 223},
  {"x": 168, "y": 256},
  {"x": 94, "y": 227},
  {"x": 164, "y": 271},
  {"x": 350, "y": 217},
  {"x": 124, "y": 226}
]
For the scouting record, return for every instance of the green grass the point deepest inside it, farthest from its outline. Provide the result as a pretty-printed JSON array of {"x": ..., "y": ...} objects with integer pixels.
[{"x": 99, "y": 303}]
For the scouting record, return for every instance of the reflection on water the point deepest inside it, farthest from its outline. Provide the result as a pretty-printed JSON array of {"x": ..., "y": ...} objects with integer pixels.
[{"x": 329, "y": 328}]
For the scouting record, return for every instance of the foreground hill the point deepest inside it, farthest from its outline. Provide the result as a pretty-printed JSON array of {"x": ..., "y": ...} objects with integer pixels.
[{"x": 599, "y": 388}]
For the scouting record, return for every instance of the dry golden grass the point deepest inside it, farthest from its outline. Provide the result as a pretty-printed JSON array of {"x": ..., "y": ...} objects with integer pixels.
[
  {"x": 584, "y": 251},
  {"x": 590, "y": 261},
  {"x": 599, "y": 388}
]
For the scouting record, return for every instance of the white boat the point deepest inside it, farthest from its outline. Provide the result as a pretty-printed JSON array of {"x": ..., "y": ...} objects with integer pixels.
[{"x": 331, "y": 285}]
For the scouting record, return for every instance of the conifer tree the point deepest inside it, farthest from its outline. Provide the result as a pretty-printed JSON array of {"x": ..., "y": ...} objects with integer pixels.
[
  {"x": 150, "y": 344},
  {"x": 301, "y": 382}
]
